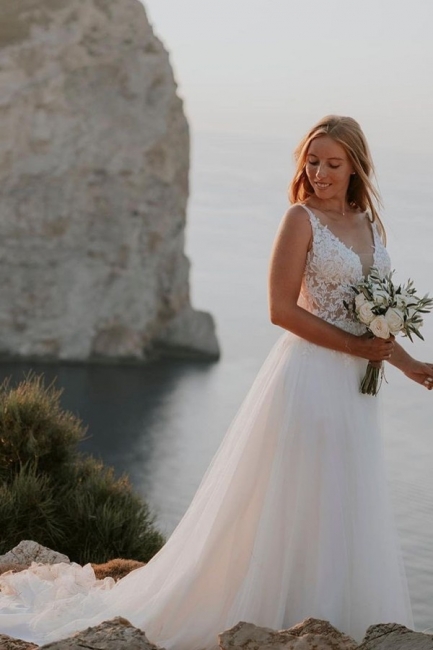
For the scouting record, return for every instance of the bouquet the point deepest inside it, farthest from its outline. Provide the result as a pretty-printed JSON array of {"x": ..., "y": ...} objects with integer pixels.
[{"x": 386, "y": 309}]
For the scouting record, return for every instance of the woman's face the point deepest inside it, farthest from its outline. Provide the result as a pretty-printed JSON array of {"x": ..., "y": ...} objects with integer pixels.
[{"x": 328, "y": 168}]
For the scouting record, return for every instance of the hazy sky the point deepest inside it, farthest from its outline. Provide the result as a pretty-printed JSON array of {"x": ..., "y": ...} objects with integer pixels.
[{"x": 277, "y": 66}]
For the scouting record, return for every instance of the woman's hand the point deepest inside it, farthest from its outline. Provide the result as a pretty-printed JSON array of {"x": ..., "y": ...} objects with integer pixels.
[
  {"x": 421, "y": 372},
  {"x": 416, "y": 370},
  {"x": 376, "y": 349}
]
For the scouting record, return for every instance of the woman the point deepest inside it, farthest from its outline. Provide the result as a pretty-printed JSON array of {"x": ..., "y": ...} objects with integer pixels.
[{"x": 292, "y": 518}]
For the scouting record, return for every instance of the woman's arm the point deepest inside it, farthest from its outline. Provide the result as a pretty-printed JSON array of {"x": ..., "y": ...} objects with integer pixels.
[
  {"x": 419, "y": 371},
  {"x": 286, "y": 270}
]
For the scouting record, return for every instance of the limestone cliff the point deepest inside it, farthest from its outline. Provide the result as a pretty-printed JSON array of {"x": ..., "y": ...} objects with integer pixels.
[{"x": 94, "y": 159}]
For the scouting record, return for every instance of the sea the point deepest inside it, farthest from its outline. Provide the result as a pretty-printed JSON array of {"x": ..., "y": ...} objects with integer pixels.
[{"x": 161, "y": 423}]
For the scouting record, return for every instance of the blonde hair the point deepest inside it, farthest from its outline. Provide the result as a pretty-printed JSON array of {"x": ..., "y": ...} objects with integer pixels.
[{"x": 361, "y": 192}]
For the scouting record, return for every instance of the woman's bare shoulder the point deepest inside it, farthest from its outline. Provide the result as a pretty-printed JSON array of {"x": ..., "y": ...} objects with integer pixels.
[
  {"x": 295, "y": 228},
  {"x": 298, "y": 211},
  {"x": 296, "y": 219}
]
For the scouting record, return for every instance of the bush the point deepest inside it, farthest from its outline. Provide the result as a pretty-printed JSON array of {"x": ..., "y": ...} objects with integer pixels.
[
  {"x": 35, "y": 430},
  {"x": 58, "y": 497}
]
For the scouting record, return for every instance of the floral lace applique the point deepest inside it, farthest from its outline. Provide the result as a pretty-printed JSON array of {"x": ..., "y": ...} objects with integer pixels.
[{"x": 331, "y": 269}]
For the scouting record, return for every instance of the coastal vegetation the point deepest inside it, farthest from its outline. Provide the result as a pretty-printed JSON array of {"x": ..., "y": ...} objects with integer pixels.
[{"x": 53, "y": 494}]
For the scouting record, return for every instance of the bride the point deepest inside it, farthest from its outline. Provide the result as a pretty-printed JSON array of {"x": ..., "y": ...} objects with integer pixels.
[{"x": 292, "y": 517}]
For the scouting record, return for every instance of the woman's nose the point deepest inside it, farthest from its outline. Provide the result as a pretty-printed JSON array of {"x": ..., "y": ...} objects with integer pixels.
[{"x": 320, "y": 171}]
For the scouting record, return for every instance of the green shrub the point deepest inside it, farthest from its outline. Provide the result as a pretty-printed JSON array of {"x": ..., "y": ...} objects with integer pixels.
[
  {"x": 54, "y": 495},
  {"x": 27, "y": 510},
  {"x": 105, "y": 518},
  {"x": 34, "y": 429}
]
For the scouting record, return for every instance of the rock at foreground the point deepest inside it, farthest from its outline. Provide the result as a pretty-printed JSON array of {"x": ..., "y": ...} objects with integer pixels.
[
  {"x": 311, "y": 634},
  {"x": 392, "y": 636},
  {"x": 28, "y": 551},
  {"x": 117, "y": 634},
  {"x": 8, "y": 643},
  {"x": 94, "y": 163}
]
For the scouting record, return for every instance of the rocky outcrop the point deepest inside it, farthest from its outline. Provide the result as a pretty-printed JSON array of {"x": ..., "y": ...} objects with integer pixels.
[
  {"x": 94, "y": 159},
  {"x": 311, "y": 634},
  {"x": 8, "y": 643},
  {"x": 392, "y": 636},
  {"x": 117, "y": 634},
  {"x": 28, "y": 551}
]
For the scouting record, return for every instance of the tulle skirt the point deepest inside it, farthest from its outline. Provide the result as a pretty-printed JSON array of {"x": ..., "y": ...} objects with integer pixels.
[{"x": 292, "y": 519}]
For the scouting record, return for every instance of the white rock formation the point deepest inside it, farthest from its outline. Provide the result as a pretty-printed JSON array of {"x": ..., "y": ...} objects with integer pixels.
[
  {"x": 94, "y": 159},
  {"x": 29, "y": 551}
]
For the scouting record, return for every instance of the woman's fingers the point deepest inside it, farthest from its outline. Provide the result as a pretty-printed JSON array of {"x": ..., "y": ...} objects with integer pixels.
[
  {"x": 377, "y": 349},
  {"x": 383, "y": 348},
  {"x": 428, "y": 376},
  {"x": 428, "y": 383},
  {"x": 422, "y": 373}
]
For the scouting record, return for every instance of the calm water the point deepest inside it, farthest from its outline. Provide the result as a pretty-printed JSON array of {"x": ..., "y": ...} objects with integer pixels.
[{"x": 161, "y": 423}]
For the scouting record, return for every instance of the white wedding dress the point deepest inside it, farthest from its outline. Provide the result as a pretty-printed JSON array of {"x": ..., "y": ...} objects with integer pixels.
[{"x": 292, "y": 518}]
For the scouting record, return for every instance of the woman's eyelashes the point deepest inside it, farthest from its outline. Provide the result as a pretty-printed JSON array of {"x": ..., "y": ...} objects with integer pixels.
[{"x": 316, "y": 162}]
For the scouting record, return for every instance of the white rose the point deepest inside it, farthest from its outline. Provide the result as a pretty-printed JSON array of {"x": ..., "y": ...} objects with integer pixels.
[
  {"x": 365, "y": 314},
  {"x": 379, "y": 327},
  {"x": 401, "y": 300},
  {"x": 380, "y": 297},
  {"x": 360, "y": 300},
  {"x": 395, "y": 320}
]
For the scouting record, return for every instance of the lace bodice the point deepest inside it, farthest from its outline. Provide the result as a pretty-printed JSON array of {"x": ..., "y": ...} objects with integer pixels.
[{"x": 331, "y": 269}]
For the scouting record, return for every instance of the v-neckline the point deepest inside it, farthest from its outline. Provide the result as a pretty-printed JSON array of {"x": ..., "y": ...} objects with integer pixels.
[{"x": 349, "y": 248}]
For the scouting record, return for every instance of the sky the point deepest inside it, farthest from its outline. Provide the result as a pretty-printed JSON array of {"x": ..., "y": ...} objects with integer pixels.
[{"x": 274, "y": 67}]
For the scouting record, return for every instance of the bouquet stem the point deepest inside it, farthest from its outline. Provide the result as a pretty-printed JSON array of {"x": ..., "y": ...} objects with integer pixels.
[{"x": 373, "y": 378}]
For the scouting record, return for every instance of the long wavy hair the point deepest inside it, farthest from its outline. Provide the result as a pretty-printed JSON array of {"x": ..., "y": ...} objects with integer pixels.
[{"x": 362, "y": 193}]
